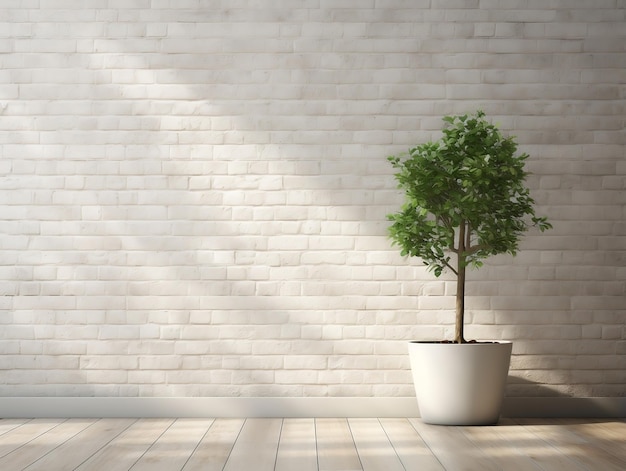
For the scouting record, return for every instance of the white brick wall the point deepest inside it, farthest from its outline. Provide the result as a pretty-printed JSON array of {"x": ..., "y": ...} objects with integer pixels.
[{"x": 193, "y": 193}]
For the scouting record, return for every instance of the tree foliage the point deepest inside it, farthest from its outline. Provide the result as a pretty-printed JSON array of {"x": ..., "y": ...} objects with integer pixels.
[{"x": 465, "y": 198}]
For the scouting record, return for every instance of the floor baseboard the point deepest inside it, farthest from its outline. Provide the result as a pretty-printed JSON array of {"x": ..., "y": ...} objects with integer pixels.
[{"x": 46, "y": 407}]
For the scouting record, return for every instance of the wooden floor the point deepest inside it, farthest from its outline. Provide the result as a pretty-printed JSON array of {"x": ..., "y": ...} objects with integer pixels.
[{"x": 310, "y": 444}]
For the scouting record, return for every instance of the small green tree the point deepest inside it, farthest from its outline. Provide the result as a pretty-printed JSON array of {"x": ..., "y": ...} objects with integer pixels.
[{"x": 465, "y": 197}]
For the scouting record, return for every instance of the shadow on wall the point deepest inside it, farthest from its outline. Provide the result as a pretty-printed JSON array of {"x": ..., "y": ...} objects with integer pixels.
[
  {"x": 546, "y": 402},
  {"x": 175, "y": 225},
  {"x": 521, "y": 387}
]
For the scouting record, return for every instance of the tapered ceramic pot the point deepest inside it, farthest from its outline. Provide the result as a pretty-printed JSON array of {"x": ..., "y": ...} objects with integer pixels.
[{"x": 460, "y": 384}]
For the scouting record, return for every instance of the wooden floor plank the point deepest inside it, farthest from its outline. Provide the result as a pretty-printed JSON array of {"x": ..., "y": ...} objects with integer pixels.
[
  {"x": 335, "y": 446},
  {"x": 19, "y": 436},
  {"x": 579, "y": 450},
  {"x": 373, "y": 446},
  {"x": 256, "y": 446},
  {"x": 214, "y": 449},
  {"x": 79, "y": 448},
  {"x": 500, "y": 443},
  {"x": 43, "y": 444},
  {"x": 606, "y": 434},
  {"x": 540, "y": 450},
  {"x": 411, "y": 449},
  {"x": 121, "y": 453},
  {"x": 297, "y": 449},
  {"x": 174, "y": 447},
  {"x": 6, "y": 425},
  {"x": 453, "y": 449}
]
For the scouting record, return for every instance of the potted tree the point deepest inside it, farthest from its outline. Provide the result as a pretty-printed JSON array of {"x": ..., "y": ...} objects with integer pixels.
[{"x": 465, "y": 200}]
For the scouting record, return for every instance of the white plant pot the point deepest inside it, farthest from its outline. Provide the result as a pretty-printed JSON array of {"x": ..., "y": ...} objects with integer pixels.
[{"x": 460, "y": 384}]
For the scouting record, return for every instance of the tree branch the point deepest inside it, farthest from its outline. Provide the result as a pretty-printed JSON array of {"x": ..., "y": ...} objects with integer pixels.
[{"x": 451, "y": 268}]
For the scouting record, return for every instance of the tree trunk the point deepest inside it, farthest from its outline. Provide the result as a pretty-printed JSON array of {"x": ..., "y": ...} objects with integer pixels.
[
  {"x": 460, "y": 304},
  {"x": 460, "y": 287}
]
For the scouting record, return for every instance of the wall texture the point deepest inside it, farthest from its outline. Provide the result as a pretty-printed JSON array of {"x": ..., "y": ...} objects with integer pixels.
[{"x": 193, "y": 193}]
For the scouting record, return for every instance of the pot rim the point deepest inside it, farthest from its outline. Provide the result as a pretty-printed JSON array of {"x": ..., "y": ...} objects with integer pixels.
[{"x": 478, "y": 342}]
